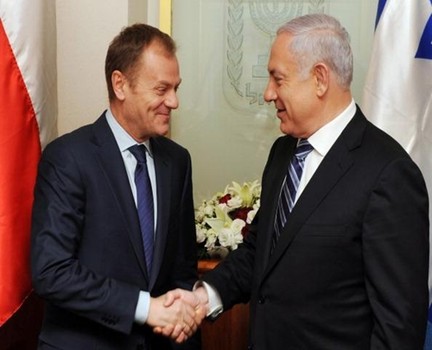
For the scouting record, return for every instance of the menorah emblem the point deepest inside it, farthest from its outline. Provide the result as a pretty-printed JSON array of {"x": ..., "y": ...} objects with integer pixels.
[
  {"x": 246, "y": 72},
  {"x": 269, "y": 15}
]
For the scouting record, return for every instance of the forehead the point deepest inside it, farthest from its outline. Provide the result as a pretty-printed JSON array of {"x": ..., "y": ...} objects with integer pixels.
[
  {"x": 155, "y": 61},
  {"x": 280, "y": 55},
  {"x": 282, "y": 41}
]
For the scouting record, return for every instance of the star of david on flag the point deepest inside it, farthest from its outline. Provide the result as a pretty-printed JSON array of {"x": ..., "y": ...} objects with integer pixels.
[{"x": 425, "y": 46}]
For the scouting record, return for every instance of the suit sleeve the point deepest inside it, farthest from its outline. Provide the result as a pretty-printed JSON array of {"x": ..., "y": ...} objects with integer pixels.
[
  {"x": 396, "y": 257},
  {"x": 233, "y": 278},
  {"x": 186, "y": 259},
  {"x": 57, "y": 223}
]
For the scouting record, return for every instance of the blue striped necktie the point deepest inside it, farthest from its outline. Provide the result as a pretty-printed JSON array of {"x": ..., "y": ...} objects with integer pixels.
[
  {"x": 144, "y": 202},
  {"x": 289, "y": 187}
]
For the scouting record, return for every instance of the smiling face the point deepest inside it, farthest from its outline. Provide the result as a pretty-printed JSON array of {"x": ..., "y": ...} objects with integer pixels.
[
  {"x": 144, "y": 101},
  {"x": 295, "y": 96}
]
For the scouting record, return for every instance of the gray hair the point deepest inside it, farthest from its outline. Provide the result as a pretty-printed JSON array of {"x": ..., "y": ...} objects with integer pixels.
[{"x": 321, "y": 38}]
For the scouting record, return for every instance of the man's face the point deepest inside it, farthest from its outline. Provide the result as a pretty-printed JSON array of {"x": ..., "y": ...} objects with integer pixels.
[
  {"x": 294, "y": 96},
  {"x": 150, "y": 97}
]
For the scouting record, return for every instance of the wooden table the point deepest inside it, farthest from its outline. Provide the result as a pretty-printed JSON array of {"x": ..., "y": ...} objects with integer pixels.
[{"x": 229, "y": 331}]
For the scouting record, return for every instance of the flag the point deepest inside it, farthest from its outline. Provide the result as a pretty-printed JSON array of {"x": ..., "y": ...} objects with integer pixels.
[
  {"x": 28, "y": 108},
  {"x": 398, "y": 87}
]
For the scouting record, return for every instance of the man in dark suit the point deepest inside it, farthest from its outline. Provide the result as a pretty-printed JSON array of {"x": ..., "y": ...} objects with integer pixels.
[
  {"x": 88, "y": 253},
  {"x": 348, "y": 269}
]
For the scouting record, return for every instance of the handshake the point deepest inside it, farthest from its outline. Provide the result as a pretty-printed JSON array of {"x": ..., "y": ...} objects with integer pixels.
[{"x": 178, "y": 313}]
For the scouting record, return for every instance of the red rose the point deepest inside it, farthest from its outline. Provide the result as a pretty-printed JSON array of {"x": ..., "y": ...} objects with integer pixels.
[
  {"x": 225, "y": 199},
  {"x": 245, "y": 230},
  {"x": 241, "y": 213}
]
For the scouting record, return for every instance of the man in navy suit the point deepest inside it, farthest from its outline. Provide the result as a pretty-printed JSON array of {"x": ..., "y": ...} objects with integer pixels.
[
  {"x": 88, "y": 260},
  {"x": 349, "y": 270}
]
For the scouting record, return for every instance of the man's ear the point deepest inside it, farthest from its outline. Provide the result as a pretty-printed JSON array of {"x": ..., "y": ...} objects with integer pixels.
[
  {"x": 321, "y": 74},
  {"x": 118, "y": 81}
]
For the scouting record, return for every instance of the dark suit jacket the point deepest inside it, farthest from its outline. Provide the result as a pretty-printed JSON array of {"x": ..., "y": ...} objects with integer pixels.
[
  {"x": 350, "y": 270},
  {"x": 87, "y": 256}
]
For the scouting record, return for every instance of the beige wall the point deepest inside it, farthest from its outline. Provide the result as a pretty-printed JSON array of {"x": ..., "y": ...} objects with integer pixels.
[{"x": 84, "y": 30}]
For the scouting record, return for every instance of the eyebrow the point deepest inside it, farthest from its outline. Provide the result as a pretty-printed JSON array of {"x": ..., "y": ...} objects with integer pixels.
[
  {"x": 164, "y": 82},
  {"x": 276, "y": 73}
]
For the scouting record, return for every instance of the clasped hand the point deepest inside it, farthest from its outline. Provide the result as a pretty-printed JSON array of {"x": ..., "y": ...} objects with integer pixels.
[{"x": 178, "y": 313}]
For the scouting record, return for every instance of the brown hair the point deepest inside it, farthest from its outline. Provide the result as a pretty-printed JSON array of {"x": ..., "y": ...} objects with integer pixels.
[{"x": 126, "y": 48}]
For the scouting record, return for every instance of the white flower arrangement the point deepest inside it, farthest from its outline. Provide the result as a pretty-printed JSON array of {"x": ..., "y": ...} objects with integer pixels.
[{"x": 223, "y": 221}]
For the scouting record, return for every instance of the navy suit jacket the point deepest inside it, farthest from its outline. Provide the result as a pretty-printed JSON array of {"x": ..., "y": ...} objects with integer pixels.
[
  {"x": 87, "y": 252},
  {"x": 350, "y": 270}
]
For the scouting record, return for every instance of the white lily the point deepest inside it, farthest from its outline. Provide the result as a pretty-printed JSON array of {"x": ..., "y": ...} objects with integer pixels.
[
  {"x": 231, "y": 236},
  {"x": 246, "y": 192},
  {"x": 252, "y": 213},
  {"x": 221, "y": 220}
]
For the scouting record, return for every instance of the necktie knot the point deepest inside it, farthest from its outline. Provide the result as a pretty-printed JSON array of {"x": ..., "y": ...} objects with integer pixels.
[
  {"x": 303, "y": 149},
  {"x": 139, "y": 152}
]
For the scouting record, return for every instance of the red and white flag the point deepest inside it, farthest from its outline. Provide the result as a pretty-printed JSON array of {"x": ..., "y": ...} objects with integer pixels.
[{"x": 28, "y": 110}]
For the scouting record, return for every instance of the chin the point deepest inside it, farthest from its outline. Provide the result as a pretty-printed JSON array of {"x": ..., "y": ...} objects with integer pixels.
[
  {"x": 163, "y": 131},
  {"x": 285, "y": 129}
]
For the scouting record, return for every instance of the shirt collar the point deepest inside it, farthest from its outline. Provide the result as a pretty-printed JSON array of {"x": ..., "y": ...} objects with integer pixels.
[
  {"x": 324, "y": 138},
  {"x": 124, "y": 140}
]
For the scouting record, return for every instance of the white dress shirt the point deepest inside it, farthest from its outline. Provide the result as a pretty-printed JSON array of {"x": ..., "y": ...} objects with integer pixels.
[
  {"x": 322, "y": 140},
  {"x": 124, "y": 142}
]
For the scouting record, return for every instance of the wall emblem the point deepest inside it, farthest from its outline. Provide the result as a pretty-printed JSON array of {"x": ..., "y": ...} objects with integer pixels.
[{"x": 250, "y": 26}]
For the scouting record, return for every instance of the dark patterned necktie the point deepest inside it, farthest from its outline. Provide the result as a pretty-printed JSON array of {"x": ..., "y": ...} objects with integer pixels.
[
  {"x": 289, "y": 187},
  {"x": 144, "y": 202}
]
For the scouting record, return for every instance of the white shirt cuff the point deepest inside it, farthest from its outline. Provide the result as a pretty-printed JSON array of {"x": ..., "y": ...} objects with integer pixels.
[
  {"x": 142, "y": 308},
  {"x": 214, "y": 299}
]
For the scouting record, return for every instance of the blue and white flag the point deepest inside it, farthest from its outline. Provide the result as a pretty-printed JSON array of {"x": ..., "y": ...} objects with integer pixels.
[{"x": 398, "y": 88}]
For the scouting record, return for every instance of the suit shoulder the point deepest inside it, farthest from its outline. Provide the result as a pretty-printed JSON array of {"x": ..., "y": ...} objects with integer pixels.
[
  {"x": 71, "y": 137},
  {"x": 383, "y": 144},
  {"x": 81, "y": 138},
  {"x": 169, "y": 145},
  {"x": 282, "y": 142}
]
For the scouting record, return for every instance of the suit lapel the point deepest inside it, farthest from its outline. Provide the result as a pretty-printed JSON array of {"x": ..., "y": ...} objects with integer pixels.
[
  {"x": 114, "y": 171},
  {"x": 335, "y": 164},
  {"x": 163, "y": 179},
  {"x": 274, "y": 184}
]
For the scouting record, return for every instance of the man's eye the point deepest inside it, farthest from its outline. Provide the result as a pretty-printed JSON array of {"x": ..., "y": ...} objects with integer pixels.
[{"x": 161, "y": 90}]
